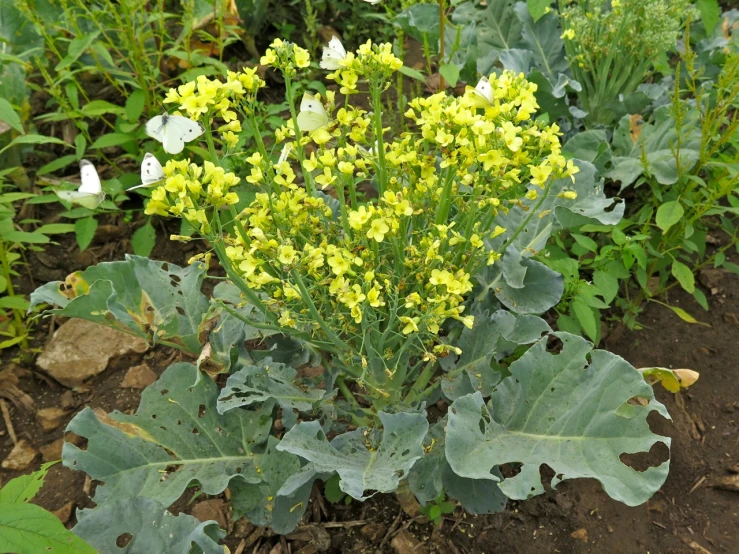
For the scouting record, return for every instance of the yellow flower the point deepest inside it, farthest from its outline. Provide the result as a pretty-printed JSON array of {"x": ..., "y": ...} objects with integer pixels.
[
  {"x": 411, "y": 324},
  {"x": 568, "y": 194},
  {"x": 569, "y": 34},
  {"x": 287, "y": 254},
  {"x": 378, "y": 229}
]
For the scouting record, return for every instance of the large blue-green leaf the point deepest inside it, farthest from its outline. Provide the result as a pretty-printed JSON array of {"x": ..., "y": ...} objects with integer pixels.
[
  {"x": 496, "y": 25},
  {"x": 268, "y": 380},
  {"x": 569, "y": 411},
  {"x": 557, "y": 212},
  {"x": 151, "y": 528},
  {"x": 432, "y": 475},
  {"x": 154, "y": 300},
  {"x": 491, "y": 337},
  {"x": 175, "y": 437},
  {"x": 281, "y": 499},
  {"x": 228, "y": 330},
  {"x": 542, "y": 288},
  {"x": 542, "y": 38},
  {"x": 365, "y": 459},
  {"x": 649, "y": 147}
]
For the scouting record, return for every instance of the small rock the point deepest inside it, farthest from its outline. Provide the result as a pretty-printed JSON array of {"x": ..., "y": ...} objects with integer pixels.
[
  {"x": 711, "y": 278},
  {"x": 21, "y": 457},
  {"x": 374, "y": 531},
  {"x": 658, "y": 505},
  {"x": 405, "y": 543},
  {"x": 138, "y": 377},
  {"x": 81, "y": 349},
  {"x": 65, "y": 512},
  {"x": 67, "y": 400},
  {"x": 580, "y": 535},
  {"x": 213, "y": 509},
  {"x": 731, "y": 319},
  {"x": 50, "y": 418},
  {"x": 52, "y": 451}
]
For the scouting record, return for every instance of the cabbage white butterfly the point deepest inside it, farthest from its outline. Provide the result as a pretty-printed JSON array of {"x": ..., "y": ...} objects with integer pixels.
[
  {"x": 332, "y": 55},
  {"x": 90, "y": 194},
  {"x": 151, "y": 172},
  {"x": 482, "y": 93},
  {"x": 173, "y": 131},
  {"x": 312, "y": 114}
]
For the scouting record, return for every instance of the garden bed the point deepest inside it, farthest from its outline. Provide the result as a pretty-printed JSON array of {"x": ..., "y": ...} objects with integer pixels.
[{"x": 689, "y": 511}]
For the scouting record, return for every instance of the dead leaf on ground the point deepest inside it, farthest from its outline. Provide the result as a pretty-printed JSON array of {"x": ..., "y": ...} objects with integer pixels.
[{"x": 580, "y": 535}]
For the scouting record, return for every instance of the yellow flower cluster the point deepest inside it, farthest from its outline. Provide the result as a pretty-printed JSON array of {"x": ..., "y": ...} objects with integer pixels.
[
  {"x": 487, "y": 140},
  {"x": 381, "y": 271},
  {"x": 371, "y": 61},
  {"x": 294, "y": 246},
  {"x": 190, "y": 189},
  {"x": 286, "y": 56},
  {"x": 202, "y": 96}
]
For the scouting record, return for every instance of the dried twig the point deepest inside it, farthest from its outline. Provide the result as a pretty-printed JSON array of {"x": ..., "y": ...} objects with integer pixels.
[
  {"x": 698, "y": 483},
  {"x": 392, "y": 529},
  {"x": 241, "y": 547},
  {"x": 353, "y": 523},
  {"x": 7, "y": 420}
]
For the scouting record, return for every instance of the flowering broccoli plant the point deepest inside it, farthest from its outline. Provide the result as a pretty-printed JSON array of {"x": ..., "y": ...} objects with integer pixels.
[{"x": 368, "y": 276}]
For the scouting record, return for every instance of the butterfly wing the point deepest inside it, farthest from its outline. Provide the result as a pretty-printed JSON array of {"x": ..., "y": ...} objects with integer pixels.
[
  {"x": 178, "y": 131},
  {"x": 173, "y": 131},
  {"x": 332, "y": 55},
  {"x": 312, "y": 114},
  {"x": 151, "y": 172},
  {"x": 90, "y": 178},
  {"x": 86, "y": 199},
  {"x": 483, "y": 93},
  {"x": 155, "y": 126}
]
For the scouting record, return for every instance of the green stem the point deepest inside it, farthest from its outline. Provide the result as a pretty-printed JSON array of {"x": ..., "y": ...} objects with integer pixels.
[
  {"x": 379, "y": 142},
  {"x": 421, "y": 383},
  {"x": 532, "y": 213},
  {"x": 333, "y": 337}
]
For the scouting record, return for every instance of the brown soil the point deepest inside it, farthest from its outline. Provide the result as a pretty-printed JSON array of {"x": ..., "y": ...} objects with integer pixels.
[{"x": 688, "y": 514}]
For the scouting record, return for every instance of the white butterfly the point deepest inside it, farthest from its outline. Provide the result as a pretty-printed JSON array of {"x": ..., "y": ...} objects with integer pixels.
[
  {"x": 285, "y": 152},
  {"x": 312, "y": 114},
  {"x": 332, "y": 55},
  {"x": 151, "y": 172},
  {"x": 90, "y": 194},
  {"x": 373, "y": 1},
  {"x": 482, "y": 93},
  {"x": 173, "y": 131}
]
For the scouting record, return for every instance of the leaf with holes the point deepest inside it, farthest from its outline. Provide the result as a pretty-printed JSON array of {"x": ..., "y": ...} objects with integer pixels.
[
  {"x": 491, "y": 337},
  {"x": 432, "y": 475},
  {"x": 256, "y": 384},
  {"x": 175, "y": 437},
  {"x": 376, "y": 462},
  {"x": 154, "y": 300},
  {"x": 148, "y": 527},
  {"x": 281, "y": 499},
  {"x": 563, "y": 411},
  {"x": 225, "y": 328}
]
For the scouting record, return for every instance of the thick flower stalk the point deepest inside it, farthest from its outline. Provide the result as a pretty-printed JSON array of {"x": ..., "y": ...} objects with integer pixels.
[{"x": 612, "y": 44}]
